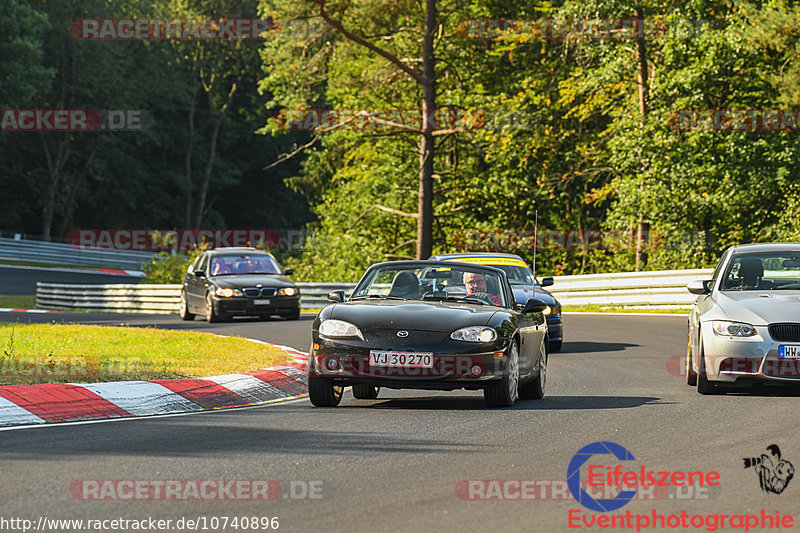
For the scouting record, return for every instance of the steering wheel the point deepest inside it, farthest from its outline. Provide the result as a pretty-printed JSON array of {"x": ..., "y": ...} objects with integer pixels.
[{"x": 482, "y": 296}]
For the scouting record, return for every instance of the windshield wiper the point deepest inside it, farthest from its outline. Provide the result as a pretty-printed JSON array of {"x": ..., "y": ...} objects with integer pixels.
[{"x": 378, "y": 297}]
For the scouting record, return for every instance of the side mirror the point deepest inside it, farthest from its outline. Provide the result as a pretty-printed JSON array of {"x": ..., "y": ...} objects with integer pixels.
[
  {"x": 336, "y": 296},
  {"x": 199, "y": 273},
  {"x": 534, "y": 305},
  {"x": 699, "y": 286},
  {"x": 288, "y": 272},
  {"x": 546, "y": 282}
]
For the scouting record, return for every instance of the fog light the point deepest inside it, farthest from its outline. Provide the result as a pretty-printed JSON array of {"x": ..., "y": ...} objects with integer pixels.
[
  {"x": 477, "y": 371},
  {"x": 331, "y": 364}
]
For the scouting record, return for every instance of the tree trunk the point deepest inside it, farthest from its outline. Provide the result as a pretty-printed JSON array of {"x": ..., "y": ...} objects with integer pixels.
[
  {"x": 55, "y": 172},
  {"x": 212, "y": 152},
  {"x": 188, "y": 162},
  {"x": 644, "y": 105},
  {"x": 426, "y": 147}
]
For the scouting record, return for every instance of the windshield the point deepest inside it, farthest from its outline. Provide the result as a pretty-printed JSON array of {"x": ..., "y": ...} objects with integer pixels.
[
  {"x": 763, "y": 272},
  {"x": 410, "y": 282},
  {"x": 517, "y": 275},
  {"x": 224, "y": 265}
]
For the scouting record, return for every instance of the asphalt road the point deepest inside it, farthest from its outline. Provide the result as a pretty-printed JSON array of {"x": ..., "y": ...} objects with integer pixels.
[
  {"x": 16, "y": 280},
  {"x": 394, "y": 464}
]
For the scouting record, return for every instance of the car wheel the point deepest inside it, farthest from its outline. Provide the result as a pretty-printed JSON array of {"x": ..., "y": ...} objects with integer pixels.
[
  {"x": 365, "y": 392},
  {"x": 504, "y": 393},
  {"x": 323, "y": 393},
  {"x": 211, "y": 315},
  {"x": 534, "y": 390},
  {"x": 555, "y": 346},
  {"x": 704, "y": 386},
  {"x": 691, "y": 375},
  {"x": 184, "y": 309}
]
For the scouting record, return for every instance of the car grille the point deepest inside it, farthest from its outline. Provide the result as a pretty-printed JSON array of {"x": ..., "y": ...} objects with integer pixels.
[
  {"x": 255, "y": 292},
  {"x": 785, "y": 332}
]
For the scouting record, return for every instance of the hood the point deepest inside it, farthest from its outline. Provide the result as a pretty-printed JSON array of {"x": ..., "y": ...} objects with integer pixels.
[
  {"x": 251, "y": 280},
  {"x": 418, "y": 316},
  {"x": 524, "y": 292},
  {"x": 760, "y": 307}
]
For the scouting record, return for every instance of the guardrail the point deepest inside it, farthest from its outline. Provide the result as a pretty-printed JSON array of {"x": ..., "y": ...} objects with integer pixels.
[
  {"x": 661, "y": 288},
  {"x": 56, "y": 253}
]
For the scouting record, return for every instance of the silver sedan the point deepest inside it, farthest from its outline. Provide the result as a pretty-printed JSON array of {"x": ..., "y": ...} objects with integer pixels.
[{"x": 744, "y": 328}]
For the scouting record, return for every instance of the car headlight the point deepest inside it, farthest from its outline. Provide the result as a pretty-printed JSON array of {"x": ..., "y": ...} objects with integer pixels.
[
  {"x": 339, "y": 328},
  {"x": 474, "y": 334},
  {"x": 727, "y": 328},
  {"x": 287, "y": 291},
  {"x": 547, "y": 310},
  {"x": 226, "y": 292}
]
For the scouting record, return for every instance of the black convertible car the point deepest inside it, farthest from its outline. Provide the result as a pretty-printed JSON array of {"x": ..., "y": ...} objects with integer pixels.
[{"x": 429, "y": 325}]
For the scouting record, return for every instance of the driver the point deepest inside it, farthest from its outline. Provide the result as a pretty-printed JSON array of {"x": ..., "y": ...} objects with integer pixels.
[{"x": 476, "y": 286}]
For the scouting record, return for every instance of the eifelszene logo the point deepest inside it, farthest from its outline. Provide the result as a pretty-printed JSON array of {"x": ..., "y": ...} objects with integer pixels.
[
  {"x": 774, "y": 473},
  {"x": 602, "y": 488}
]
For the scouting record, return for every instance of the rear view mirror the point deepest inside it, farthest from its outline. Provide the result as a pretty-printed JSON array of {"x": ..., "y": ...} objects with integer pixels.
[
  {"x": 288, "y": 272},
  {"x": 199, "y": 273},
  {"x": 546, "y": 282},
  {"x": 439, "y": 274}
]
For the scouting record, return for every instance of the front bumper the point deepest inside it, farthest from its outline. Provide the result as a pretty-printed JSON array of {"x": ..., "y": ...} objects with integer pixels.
[
  {"x": 729, "y": 359},
  {"x": 455, "y": 365},
  {"x": 244, "y": 306}
]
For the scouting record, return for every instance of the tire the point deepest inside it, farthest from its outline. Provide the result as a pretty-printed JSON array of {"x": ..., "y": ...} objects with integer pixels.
[
  {"x": 211, "y": 315},
  {"x": 184, "y": 309},
  {"x": 534, "y": 389},
  {"x": 323, "y": 393},
  {"x": 555, "y": 346},
  {"x": 365, "y": 392},
  {"x": 704, "y": 386},
  {"x": 505, "y": 392},
  {"x": 691, "y": 375}
]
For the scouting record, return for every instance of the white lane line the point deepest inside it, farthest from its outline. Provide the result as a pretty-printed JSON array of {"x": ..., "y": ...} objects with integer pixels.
[
  {"x": 142, "y": 397},
  {"x": 11, "y": 413}
]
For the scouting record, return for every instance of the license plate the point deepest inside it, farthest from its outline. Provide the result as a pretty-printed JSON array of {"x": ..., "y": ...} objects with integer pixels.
[
  {"x": 401, "y": 359},
  {"x": 261, "y": 302},
  {"x": 789, "y": 352}
]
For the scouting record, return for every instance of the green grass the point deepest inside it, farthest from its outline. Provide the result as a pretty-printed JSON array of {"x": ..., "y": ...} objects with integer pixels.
[
  {"x": 60, "y": 353},
  {"x": 24, "y": 301}
]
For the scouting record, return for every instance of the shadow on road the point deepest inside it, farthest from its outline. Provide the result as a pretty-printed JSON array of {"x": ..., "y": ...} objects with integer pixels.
[{"x": 594, "y": 347}]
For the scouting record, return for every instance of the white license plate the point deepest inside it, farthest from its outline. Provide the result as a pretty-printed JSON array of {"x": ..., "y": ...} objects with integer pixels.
[
  {"x": 261, "y": 302},
  {"x": 401, "y": 359},
  {"x": 789, "y": 352}
]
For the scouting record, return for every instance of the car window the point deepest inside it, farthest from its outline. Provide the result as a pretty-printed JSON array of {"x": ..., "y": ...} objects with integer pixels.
[
  {"x": 409, "y": 282},
  {"x": 203, "y": 265},
  {"x": 763, "y": 272},
  {"x": 244, "y": 263}
]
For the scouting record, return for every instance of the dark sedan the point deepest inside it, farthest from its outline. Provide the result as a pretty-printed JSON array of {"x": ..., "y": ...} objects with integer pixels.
[
  {"x": 524, "y": 285},
  {"x": 429, "y": 325},
  {"x": 227, "y": 282}
]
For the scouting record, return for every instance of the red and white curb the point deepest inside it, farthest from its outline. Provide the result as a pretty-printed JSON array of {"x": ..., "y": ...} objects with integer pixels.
[
  {"x": 12, "y": 310},
  {"x": 71, "y": 402}
]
